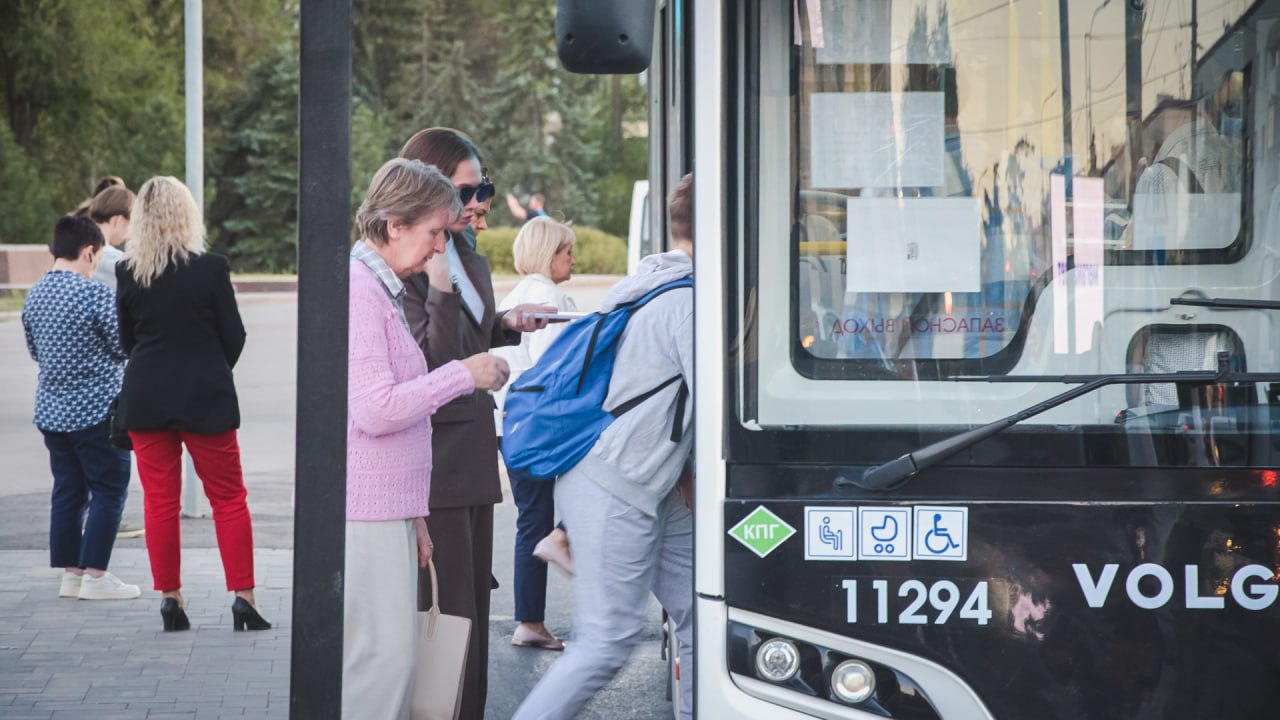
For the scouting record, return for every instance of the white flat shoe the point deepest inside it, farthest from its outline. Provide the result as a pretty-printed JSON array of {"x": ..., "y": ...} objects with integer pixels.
[
  {"x": 553, "y": 553},
  {"x": 524, "y": 637}
]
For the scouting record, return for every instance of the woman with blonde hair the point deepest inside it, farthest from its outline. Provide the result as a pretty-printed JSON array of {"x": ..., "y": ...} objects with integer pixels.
[
  {"x": 181, "y": 328},
  {"x": 543, "y": 254}
]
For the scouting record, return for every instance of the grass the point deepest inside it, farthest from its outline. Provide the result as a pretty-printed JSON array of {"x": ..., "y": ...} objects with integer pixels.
[{"x": 11, "y": 301}]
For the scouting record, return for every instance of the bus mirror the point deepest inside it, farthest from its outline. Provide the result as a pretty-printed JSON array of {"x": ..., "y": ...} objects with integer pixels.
[{"x": 604, "y": 37}]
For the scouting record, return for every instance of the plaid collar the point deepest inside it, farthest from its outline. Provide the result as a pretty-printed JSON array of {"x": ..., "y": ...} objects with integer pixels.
[{"x": 364, "y": 253}]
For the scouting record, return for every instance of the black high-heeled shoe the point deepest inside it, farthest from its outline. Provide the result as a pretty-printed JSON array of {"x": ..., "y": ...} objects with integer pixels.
[
  {"x": 173, "y": 616},
  {"x": 245, "y": 616}
]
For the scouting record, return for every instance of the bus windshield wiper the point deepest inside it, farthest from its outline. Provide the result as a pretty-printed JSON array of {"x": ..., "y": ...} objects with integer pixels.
[
  {"x": 896, "y": 473},
  {"x": 1240, "y": 303}
]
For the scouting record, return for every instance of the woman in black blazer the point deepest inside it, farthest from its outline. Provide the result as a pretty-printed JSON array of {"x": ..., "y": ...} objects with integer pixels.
[{"x": 181, "y": 328}]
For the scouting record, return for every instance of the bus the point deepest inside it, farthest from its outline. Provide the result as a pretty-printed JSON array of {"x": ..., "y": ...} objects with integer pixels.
[{"x": 987, "y": 346}]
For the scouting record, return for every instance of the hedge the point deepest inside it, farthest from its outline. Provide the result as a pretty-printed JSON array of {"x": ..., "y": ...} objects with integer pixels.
[{"x": 597, "y": 252}]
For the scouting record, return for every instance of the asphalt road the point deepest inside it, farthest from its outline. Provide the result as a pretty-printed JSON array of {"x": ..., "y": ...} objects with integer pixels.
[{"x": 265, "y": 380}]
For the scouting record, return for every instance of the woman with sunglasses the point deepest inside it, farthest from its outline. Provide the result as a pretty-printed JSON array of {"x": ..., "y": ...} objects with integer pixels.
[{"x": 451, "y": 312}]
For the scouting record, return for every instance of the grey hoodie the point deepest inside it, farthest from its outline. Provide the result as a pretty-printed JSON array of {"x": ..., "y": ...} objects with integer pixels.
[{"x": 634, "y": 459}]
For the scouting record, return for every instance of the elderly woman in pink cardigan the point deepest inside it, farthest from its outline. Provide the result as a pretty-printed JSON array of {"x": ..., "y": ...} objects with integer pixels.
[{"x": 391, "y": 397}]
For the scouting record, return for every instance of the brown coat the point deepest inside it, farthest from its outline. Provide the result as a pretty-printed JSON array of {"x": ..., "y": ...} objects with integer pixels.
[{"x": 464, "y": 443}]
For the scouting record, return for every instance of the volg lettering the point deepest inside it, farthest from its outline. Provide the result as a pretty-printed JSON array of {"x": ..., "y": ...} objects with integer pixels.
[{"x": 1252, "y": 587}]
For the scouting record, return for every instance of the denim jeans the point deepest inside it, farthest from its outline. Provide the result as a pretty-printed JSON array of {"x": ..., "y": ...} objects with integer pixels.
[
  {"x": 536, "y": 508},
  {"x": 89, "y": 475}
]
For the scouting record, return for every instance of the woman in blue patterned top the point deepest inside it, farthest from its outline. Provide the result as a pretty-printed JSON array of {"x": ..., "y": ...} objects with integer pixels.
[{"x": 70, "y": 323}]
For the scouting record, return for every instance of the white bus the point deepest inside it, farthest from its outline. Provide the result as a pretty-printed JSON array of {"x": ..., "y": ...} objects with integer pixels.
[{"x": 987, "y": 349}]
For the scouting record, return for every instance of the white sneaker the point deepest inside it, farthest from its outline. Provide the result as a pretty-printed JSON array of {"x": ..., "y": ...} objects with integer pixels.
[
  {"x": 107, "y": 587},
  {"x": 70, "y": 585},
  {"x": 127, "y": 531}
]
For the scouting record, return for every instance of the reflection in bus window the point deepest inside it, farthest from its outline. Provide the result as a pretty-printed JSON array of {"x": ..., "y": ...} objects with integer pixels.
[{"x": 924, "y": 160}]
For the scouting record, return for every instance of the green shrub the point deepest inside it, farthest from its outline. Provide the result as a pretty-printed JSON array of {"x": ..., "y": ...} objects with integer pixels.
[{"x": 597, "y": 252}]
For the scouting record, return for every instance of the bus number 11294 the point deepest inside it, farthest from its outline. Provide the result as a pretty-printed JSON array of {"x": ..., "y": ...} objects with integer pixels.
[{"x": 943, "y": 598}]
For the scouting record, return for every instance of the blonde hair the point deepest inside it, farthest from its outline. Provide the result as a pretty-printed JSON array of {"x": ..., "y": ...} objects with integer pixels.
[
  {"x": 166, "y": 229},
  {"x": 404, "y": 191},
  {"x": 537, "y": 244}
]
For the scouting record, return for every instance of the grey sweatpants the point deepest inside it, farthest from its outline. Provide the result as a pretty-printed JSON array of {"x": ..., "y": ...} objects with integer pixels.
[{"x": 620, "y": 555}]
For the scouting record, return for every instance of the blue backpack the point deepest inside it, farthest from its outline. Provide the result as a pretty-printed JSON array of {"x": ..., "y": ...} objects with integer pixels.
[{"x": 554, "y": 412}]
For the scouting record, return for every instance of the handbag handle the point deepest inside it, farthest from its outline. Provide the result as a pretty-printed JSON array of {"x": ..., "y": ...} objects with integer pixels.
[{"x": 434, "y": 611}]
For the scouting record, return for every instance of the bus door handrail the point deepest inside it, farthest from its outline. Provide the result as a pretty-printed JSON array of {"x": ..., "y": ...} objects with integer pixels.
[{"x": 894, "y": 474}]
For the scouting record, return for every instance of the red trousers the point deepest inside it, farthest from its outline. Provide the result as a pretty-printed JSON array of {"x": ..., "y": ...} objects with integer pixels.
[{"x": 217, "y": 461}]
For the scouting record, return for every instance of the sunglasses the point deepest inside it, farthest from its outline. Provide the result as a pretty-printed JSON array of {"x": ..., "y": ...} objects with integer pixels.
[{"x": 480, "y": 192}]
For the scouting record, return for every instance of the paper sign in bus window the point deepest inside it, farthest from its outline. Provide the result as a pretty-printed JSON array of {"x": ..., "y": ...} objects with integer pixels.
[
  {"x": 858, "y": 32},
  {"x": 876, "y": 140},
  {"x": 914, "y": 245}
]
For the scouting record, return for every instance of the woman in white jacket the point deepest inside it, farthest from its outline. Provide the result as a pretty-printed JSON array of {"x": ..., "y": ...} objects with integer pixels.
[{"x": 543, "y": 254}]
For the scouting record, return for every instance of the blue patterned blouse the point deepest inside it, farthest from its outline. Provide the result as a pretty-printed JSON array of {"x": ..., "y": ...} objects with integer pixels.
[{"x": 72, "y": 332}]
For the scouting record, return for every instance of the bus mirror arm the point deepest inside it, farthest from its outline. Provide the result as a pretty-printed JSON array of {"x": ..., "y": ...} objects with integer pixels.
[{"x": 897, "y": 473}]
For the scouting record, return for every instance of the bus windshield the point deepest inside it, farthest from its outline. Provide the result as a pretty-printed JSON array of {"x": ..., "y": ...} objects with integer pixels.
[{"x": 947, "y": 189}]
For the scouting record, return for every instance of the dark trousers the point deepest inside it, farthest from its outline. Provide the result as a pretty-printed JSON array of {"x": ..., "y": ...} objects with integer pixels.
[
  {"x": 89, "y": 475},
  {"x": 536, "y": 509},
  {"x": 463, "y": 556}
]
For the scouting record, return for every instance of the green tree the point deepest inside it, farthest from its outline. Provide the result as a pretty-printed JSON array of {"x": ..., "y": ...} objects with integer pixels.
[
  {"x": 91, "y": 89},
  {"x": 253, "y": 218},
  {"x": 26, "y": 206}
]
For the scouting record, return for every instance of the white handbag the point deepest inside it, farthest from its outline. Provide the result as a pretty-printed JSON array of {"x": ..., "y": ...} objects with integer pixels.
[{"x": 442, "y": 660}]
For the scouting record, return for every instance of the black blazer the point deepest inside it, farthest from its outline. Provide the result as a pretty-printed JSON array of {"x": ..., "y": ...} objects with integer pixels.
[
  {"x": 183, "y": 335},
  {"x": 464, "y": 443}
]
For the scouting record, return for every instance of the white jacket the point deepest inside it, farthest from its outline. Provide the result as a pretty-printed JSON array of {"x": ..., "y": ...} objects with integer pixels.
[{"x": 537, "y": 289}]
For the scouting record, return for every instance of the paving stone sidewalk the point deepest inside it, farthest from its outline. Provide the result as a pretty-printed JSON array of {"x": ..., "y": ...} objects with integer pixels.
[{"x": 110, "y": 660}]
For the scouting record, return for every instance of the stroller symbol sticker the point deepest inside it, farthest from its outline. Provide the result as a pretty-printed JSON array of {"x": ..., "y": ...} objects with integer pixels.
[
  {"x": 886, "y": 533},
  {"x": 829, "y": 533},
  {"x": 942, "y": 533}
]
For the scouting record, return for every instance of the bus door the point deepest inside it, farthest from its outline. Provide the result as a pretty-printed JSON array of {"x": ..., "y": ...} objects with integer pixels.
[{"x": 1000, "y": 392}]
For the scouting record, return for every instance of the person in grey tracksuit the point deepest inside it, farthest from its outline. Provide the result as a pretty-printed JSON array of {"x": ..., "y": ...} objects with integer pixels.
[{"x": 630, "y": 525}]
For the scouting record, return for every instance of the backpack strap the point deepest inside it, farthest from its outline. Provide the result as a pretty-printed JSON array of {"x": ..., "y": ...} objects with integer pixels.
[
  {"x": 677, "y": 426},
  {"x": 644, "y": 299},
  {"x": 682, "y": 399},
  {"x": 635, "y": 401},
  {"x": 629, "y": 308}
]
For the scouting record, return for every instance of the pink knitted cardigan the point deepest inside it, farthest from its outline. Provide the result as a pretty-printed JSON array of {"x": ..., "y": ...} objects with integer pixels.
[{"x": 390, "y": 400}]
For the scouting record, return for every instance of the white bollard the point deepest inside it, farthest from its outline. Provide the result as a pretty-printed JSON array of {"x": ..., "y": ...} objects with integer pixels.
[{"x": 193, "y": 501}]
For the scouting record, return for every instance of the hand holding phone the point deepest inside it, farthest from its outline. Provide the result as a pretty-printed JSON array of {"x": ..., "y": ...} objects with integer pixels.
[{"x": 559, "y": 317}]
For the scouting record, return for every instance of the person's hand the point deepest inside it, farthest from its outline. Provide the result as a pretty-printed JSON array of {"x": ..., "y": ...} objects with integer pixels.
[
  {"x": 685, "y": 485},
  {"x": 522, "y": 318},
  {"x": 425, "y": 547},
  {"x": 489, "y": 371},
  {"x": 438, "y": 275}
]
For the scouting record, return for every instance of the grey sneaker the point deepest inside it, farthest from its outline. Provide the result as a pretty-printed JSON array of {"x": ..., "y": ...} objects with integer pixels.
[
  {"x": 70, "y": 585},
  {"x": 107, "y": 587}
]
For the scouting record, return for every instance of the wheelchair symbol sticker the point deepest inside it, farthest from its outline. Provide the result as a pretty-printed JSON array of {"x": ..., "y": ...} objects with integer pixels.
[
  {"x": 885, "y": 533},
  {"x": 829, "y": 533},
  {"x": 942, "y": 533}
]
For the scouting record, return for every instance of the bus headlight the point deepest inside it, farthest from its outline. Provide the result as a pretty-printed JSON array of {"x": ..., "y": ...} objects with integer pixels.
[
  {"x": 777, "y": 660},
  {"x": 853, "y": 681}
]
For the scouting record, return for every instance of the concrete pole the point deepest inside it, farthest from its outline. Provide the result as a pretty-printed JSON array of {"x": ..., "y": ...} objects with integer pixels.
[{"x": 194, "y": 26}]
